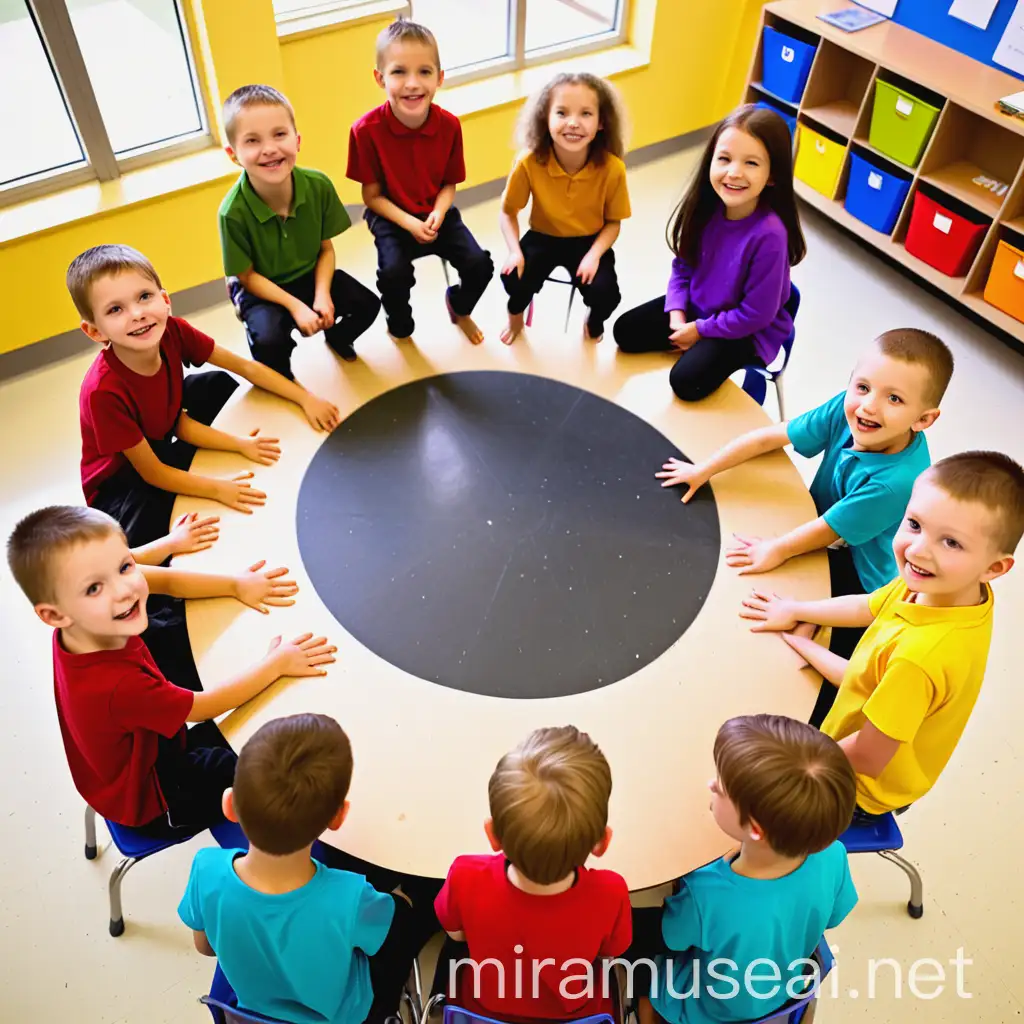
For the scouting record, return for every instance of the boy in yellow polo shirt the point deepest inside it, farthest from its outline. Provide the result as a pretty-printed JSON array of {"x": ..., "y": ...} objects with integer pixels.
[
  {"x": 573, "y": 169},
  {"x": 906, "y": 694}
]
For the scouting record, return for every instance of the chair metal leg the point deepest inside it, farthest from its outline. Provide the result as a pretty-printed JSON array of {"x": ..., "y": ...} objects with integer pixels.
[
  {"x": 568, "y": 311},
  {"x": 432, "y": 1004},
  {"x": 915, "y": 906},
  {"x": 116, "y": 877},
  {"x": 90, "y": 833},
  {"x": 447, "y": 278},
  {"x": 779, "y": 397}
]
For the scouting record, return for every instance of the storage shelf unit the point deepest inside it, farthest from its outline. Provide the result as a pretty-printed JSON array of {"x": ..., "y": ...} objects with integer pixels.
[{"x": 971, "y": 138}]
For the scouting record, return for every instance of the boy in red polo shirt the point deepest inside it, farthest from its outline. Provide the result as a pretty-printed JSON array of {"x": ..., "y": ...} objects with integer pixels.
[
  {"x": 407, "y": 154},
  {"x": 532, "y": 912},
  {"x": 122, "y": 721}
]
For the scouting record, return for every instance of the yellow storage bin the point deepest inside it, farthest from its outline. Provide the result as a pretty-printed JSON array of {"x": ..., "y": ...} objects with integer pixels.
[
  {"x": 1005, "y": 286},
  {"x": 818, "y": 161}
]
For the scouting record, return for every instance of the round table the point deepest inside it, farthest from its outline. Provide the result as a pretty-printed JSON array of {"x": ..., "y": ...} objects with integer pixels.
[{"x": 423, "y": 751}]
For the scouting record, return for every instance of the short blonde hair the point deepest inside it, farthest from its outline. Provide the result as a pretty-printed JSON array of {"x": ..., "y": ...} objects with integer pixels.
[
  {"x": 402, "y": 31},
  {"x": 920, "y": 348},
  {"x": 990, "y": 479},
  {"x": 549, "y": 802},
  {"x": 37, "y": 544},
  {"x": 103, "y": 261},
  {"x": 252, "y": 96}
]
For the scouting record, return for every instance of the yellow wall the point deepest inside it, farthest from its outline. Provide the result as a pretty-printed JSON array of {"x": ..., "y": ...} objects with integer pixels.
[{"x": 698, "y": 61}]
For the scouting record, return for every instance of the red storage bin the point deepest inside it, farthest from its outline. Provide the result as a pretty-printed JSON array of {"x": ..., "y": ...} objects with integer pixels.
[{"x": 943, "y": 239}]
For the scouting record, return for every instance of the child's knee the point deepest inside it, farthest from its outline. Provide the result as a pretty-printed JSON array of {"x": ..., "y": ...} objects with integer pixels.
[
  {"x": 395, "y": 274},
  {"x": 687, "y": 386}
]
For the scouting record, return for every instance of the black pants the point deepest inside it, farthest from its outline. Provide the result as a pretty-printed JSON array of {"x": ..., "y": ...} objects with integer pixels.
[
  {"x": 845, "y": 638},
  {"x": 700, "y": 370},
  {"x": 269, "y": 326},
  {"x": 862, "y": 817},
  {"x": 396, "y": 250},
  {"x": 542, "y": 254},
  {"x": 648, "y": 944}
]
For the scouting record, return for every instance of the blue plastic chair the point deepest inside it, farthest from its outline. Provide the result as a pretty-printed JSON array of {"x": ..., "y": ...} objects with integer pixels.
[
  {"x": 756, "y": 378},
  {"x": 884, "y": 838},
  {"x": 134, "y": 846}
]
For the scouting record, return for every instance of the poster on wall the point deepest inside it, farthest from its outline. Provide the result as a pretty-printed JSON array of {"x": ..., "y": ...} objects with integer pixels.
[
  {"x": 1010, "y": 51},
  {"x": 886, "y": 7},
  {"x": 975, "y": 12}
]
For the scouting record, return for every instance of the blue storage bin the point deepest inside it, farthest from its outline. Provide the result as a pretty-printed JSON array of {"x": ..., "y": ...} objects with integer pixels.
[
  {"x": 786, "y": 116},
  {"x": 875, "y": 196},
  {"x": 786, "y": 64}
]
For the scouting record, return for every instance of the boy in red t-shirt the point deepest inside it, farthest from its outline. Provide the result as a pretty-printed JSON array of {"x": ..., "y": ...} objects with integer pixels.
[
  {"x": 533, "y": 914},
  {"x": 142, "y": 419},
  {"x": 122, "y": 721},
  {"x": 407, "y": 154}
]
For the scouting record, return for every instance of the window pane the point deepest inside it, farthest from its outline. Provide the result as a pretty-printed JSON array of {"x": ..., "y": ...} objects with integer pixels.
[
  {"x": 134, "y": 51},
  {"x": 304, "y": 8},
  {"x": 37, "y": 124},
  {"x": 558, "y": 22},
  {"x": 468, "y": 31}
]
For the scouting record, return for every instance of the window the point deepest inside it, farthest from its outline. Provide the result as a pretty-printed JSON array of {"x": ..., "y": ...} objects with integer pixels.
[{"x": 92, "y": 88}]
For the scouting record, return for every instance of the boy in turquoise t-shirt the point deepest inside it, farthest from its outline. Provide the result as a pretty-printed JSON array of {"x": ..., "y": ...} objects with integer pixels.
[{"x": 748, "y": 923}]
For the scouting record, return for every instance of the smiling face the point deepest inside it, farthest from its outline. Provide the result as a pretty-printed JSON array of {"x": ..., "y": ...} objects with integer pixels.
[
  {"x": 129, "y": 310},
  {"x": 99, "y": 593},
  {"x": 887, "y": 402},
  {"x": 945, "y": 548},
  {"x": 410, "y": 76},
  {"x": 740, "y": 170},
  {"x": 573, "y": 119},
  {"x": 265, "y": 144}
]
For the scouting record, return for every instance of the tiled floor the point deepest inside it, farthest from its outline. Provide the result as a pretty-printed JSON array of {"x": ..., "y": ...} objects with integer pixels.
[{"x": 59, "y": 964}]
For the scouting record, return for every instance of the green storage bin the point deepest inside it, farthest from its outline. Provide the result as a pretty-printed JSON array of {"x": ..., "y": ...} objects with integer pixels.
[{"x": 901, "y": 124}]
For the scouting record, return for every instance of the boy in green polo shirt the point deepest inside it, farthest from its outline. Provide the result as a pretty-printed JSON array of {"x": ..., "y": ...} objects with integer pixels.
[
  {"x": 874, "y": 449},
  {"x": 276, "y": 226}
]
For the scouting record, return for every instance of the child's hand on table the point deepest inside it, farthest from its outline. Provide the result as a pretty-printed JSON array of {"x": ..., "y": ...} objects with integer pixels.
[
  {"x": 302, "y": 656},
  {"x": 264, "y": 450},
  {"x": 753, "y": 555},
  {"x": 770, "y": 612},
  {"x": 190, "y": 533},
  {"x": 676, "y": 471},
  {"x": 262, "y": 589},
  {"x": 238, "y": 493},
  {"x": 588, "y": 268},
  {"x": 307, "y": 320},
  {"x": 322, "y": 415},
  {"x": 514, "y": 261}
]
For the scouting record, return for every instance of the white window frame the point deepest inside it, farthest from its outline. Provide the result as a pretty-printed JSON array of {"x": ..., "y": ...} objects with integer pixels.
[{"x": 53, "y": 21}]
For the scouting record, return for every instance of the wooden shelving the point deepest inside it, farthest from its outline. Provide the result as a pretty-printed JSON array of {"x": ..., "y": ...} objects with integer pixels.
[{"x": 974, "y": 158}]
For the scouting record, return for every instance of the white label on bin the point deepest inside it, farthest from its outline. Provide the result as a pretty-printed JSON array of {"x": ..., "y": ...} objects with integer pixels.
[
  {"x": 904, "y": 106},
  {"x": 1018, "y": 271},
  {"x": 942, "y": 223},
  {"x": 874, "y": 180},
  {"x": 788, "y": 54},
  {"x": 819, "y": 145}
]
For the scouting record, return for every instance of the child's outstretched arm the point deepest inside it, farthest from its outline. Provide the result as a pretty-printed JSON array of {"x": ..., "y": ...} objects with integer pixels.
[
  {"x": 322, "y": 415},
  {"x": 757, "y": 554},
  {"x": 782, "y": 614},
  {"x": 869, "y": 750},
  {"x": 189, "y": 534},
  {"x": 264, "y": 450},
  {"x": 742, "y": 449},
  {"x": 509, "y": 224},
  {"x": 303, "y": 656},
  {"x": 257, "y": 587},
  {"x": 236, "y": 493},
  {"x": 830, "y": 666}
]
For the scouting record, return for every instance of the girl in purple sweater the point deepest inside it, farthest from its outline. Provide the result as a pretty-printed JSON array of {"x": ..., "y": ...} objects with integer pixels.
[{"x": 735, "y": 234}]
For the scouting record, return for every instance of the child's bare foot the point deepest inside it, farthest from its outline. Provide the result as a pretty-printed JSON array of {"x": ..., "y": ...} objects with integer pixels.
[
  {"x": 590, "y": 337},
  {"x": 514, "y": 329},
  {"x": 469, "y": 328}
]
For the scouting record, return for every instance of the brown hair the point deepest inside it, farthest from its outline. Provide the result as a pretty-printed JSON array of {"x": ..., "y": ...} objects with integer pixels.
[
  {"x": 920, "y": 348},
  {"x": 701, "y": 201},
  {"x": 990, "y": 479},
  {"x": 549, "y": 802},
  {"x": 402, "y": 31},
  {"x": 101, "y": 261},
  {"x": 793, "y": 780},
  {"x": 37, "y": 543},
  {"x": 252, "y": 96},
  {"x": 291, "y": 779},
  {"x": 533, "y": 122}
]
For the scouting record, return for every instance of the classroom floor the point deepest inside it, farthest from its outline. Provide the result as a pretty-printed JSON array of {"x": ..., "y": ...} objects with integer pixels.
[{"x": 58, "y": 963}]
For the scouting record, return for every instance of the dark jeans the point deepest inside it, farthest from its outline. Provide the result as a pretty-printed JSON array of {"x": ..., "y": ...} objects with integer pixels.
[
  {"x": 700, "y": 370},
  {"x": 844, "y": 639},
  {"x": 396, "y": 250},
  {"x": 269, "y": 326},
  {"x": 542, "y": 254},
  {"x": 167, "y": 638}
]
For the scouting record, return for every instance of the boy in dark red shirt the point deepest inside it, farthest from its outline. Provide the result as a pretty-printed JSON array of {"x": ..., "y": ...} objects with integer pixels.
[
  {"x": 407, "y": 154},
  {"x": 122, "y": 721},
  {"x": 533, "y": 914}
]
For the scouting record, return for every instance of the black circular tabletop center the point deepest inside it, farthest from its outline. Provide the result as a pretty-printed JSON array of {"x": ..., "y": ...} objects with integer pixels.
[{"x": 503, "y": 534}]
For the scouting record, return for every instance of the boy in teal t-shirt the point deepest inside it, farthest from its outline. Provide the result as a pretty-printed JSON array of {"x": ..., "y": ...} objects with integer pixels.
[{"x": 740, "y": 932}]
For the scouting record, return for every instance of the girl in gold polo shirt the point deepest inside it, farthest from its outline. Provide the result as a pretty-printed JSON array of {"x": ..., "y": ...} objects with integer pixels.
[{"x": 572, "y": 132}]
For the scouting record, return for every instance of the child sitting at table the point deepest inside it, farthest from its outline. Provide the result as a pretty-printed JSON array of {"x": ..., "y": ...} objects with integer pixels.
[
  {"x": 908, "y": 691},
  {"x": 785, "y": 793},
  {"x": 549, "y": 813},
  {"x": 296, "y": 940}
]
